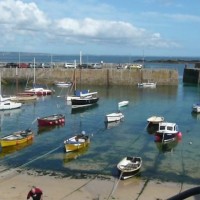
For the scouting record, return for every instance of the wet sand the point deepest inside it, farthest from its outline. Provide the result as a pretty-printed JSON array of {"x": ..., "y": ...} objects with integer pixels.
[{"x": 15, "y": 184}]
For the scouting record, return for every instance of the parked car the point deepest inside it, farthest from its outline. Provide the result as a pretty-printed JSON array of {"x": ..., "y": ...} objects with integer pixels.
[
  {"x": 23, "y": 65},
  {"x": 11, "y": 65},
  {"x": 69, "y": 65},
  {"x": 84, "y": 66},
  {"x": 31, "y": 65},
  {"x": 96, "y": 66},
  {"x": 46, "y": 65}
]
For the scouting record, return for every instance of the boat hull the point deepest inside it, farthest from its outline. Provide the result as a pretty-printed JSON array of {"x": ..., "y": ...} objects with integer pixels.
[
  {"x": 39, "y": 91},
  {"x": 76, "y": 143},
  {"x": 123, "y": 103},
  {"x": 9, "y": 105},
  {"x": 147, "y": 85},
  {"x": 196, "y": 108},
  {"x": 16, "y": 139},
  {"x": 83, "y": 102},
  {"x": 114, "y": 117},
  {"x": 129, "y": 167},
  {"x": 52, "y": 120}
]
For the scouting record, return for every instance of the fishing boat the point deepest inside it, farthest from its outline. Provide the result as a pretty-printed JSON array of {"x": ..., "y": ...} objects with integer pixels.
[
  {"x": 147, "y": 85},
  {"x": 167, "y": 132},
  {"x": 196, "y": 108},
  {"x": 123, "y": 103},
  {"x": 77, "y": 142},
  {"x": 51, "y": 120},
  {"x": 85, "y": 100},
  {"x": 113, "y": 117},
  {"x": 17, "y": 138},
  {"x": 129, "y": 166}
]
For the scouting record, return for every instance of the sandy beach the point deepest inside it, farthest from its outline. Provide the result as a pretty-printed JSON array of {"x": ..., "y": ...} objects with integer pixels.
[{"x": 15, "y": 184}]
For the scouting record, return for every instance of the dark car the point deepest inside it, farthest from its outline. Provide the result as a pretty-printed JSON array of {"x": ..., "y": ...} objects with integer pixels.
[
  {"x": 84, "y": 66},
  {"x": 11, "y": 65}
]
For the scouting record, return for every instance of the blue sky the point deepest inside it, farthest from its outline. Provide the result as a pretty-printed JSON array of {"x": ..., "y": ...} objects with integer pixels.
[{"x": 101, "y": 27}]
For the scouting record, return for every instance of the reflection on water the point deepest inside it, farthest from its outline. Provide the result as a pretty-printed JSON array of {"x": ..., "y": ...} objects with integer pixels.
[
  {"x": 44, "y": 129},
  {"x": 166, "y": 147},
  {"x": 83, "y": 109},
  {"x": 67, "y": 157},
  {"x": 109, "y": 125},
  {"x": 108, "y": 146},
  {"x": 195, "y": 115},
  {"x": 11, "y": 149}
]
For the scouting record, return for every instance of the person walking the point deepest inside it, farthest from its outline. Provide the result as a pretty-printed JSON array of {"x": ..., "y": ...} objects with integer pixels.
[{"x": 35, "y": 193}]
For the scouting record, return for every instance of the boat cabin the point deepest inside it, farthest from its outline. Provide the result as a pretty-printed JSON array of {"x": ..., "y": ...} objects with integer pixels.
[{"x": 167, "y": 127}]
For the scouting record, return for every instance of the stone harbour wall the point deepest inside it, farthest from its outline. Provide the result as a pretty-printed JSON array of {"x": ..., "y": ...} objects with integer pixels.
[{"x": 105, "y": 76}]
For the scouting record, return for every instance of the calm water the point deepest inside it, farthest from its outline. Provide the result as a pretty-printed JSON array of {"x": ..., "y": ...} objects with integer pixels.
[{"x": 178, "y": 162}]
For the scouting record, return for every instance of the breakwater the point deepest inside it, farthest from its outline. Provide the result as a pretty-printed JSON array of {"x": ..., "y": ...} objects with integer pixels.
[
  {"x": 104, "y": 76},
  {"x": 192, "y": 75}
]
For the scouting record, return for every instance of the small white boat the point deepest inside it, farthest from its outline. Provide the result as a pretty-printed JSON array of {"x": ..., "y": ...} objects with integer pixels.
[
  {"x": 196, "y": 108},
  {"x": 9, "y": 105},
  {"x": 63, "y": 84},
  {"x": 123, "y": 103},
  {"x": 155, "y": 119},
  {"x": 129, "y": 167},
  {"x": 113, "y": 117},
  {"x": 147, "y": 85}
]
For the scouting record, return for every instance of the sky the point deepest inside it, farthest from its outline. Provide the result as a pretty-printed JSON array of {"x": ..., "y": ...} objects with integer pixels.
[{"x": 101, "y": 27}]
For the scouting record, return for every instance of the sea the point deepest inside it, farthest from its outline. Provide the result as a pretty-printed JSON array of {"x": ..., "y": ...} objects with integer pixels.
[{"x": 176, "y": 162}]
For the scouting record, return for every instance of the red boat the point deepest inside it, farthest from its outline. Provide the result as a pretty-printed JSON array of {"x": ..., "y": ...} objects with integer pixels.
[
  {"x": 39, "y": 91},
  {"x": 52, "y": 120}
]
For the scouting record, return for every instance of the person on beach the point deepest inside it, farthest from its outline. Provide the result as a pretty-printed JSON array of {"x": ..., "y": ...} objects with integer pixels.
[{"x": 35, "y": 193}]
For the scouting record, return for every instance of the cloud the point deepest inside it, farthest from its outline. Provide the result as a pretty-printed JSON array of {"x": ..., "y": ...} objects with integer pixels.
[{"x": 19, "y": 19}]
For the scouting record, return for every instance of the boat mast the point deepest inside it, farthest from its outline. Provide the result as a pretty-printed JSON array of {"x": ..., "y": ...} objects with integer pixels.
[{"x": 34, "y": 72}]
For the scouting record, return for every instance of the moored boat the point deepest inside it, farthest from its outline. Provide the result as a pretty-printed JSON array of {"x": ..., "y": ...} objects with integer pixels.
[
  {"x": 39, "y": 91},
  {"x": 129, "y": 166},
  {"x": 9, "y": 105},
  {"x": 77, "y": 142},
  {"x": 167, "y": 131},
  {"x": 24, "y": 97},
  {"x": 123, "y": 103},
  {"x": 113, "y": 117},
  {"x": 16, "y": 138},
  {"x": 196, "y": 108},
  {"x": 85, "y": 100},
  {"x": 147, "y": 85},
  {"x": 63, "y": 84},
  {"x": 51, "y": 120},
  {"x": 155, "y": 119}
]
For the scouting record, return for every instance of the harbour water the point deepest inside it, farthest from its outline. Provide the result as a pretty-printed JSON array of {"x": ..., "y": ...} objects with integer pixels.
[{"x": 109, "y": 144}]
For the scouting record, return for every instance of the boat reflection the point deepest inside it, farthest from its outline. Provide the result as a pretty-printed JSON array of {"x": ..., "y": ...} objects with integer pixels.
[
  {"x": 67, "y": 157},
  {"x": 11, "y": 149},
  {"x": 110, "y": 125},
  {"x": 44, "y": 129},
  {"x": 195, "y": 115},
  {"x": 83, "y": 109},
  {"x": 167, "y": 147},
  {"x": 151, "y": 129}
]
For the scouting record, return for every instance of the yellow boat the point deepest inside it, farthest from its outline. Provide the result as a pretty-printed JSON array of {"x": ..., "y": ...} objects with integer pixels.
[
  {"x": 17, "y": 138},
  {"x": 12, "y": 149},
  {"x": 77, "y": 142}
]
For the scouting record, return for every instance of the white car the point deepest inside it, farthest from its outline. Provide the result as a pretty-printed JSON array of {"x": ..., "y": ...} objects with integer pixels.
[{"x": 69, "y": 65}]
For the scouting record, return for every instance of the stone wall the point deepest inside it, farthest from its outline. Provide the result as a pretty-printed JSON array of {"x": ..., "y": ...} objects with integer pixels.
[{"x": 93, "y": 76}]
